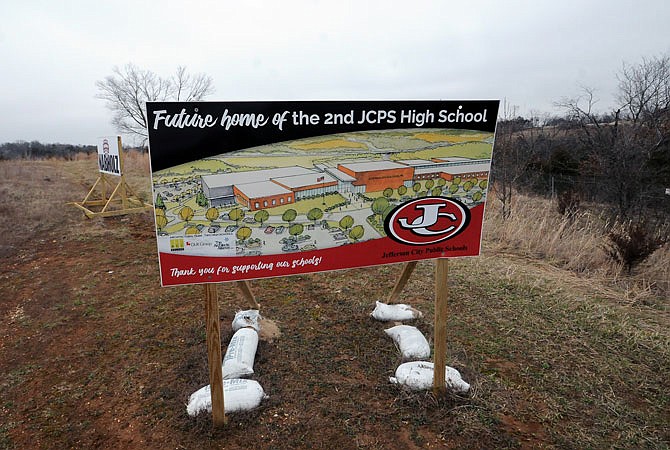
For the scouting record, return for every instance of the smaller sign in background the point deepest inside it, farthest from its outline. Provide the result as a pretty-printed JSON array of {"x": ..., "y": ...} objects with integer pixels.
[{"x": 109, "y": 160}]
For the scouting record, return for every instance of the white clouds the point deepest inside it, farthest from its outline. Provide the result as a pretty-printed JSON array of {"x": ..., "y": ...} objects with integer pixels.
[{"x": 530, "y": 52}]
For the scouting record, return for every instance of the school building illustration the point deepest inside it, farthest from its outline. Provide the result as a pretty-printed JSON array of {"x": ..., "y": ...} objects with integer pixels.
[{"x": 268, "y": 188}]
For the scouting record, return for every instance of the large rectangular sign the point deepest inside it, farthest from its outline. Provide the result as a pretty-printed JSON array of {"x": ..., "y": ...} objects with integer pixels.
[
  {"x": 109, "y": 160},
  {"x": 246, "y": 190}
]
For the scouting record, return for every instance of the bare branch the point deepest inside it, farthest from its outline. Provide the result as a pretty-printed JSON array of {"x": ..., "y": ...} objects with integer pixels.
[{"x": 127, "y": 90}]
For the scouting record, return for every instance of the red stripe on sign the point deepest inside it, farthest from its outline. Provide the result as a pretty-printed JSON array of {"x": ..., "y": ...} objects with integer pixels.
[{"x": 177, "y": 269}]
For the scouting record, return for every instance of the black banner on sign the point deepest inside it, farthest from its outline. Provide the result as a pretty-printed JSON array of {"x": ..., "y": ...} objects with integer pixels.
[{"x": 189, "y": 131}]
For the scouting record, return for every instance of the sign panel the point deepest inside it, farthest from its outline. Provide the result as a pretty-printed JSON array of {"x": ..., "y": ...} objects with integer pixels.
[
  {"x": 246, "y": 190},
  {"x": 108, "y": 155}
]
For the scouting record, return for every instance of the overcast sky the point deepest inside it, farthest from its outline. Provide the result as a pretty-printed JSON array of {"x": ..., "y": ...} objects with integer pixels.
[{"x": 532, "y": 53}]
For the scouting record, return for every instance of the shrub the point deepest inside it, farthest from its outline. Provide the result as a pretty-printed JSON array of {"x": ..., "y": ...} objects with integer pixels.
[
  {"x": 568, "y": 204},
  {"x": 633, "y": 242}
]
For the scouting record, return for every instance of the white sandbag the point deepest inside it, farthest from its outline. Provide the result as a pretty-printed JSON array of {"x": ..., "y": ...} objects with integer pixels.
[
  {"x": 238, "y": 395},
  {"x": 398, "y": 311},
  {"x": 248, "y": 318},
  {"x": 240, "y": 354},
  {"x": 418, "y": 376},
  {"x": 411, "y": 342}
]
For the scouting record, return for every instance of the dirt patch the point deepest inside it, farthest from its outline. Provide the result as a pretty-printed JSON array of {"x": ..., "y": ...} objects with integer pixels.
[{"x": 269, "y": 330}]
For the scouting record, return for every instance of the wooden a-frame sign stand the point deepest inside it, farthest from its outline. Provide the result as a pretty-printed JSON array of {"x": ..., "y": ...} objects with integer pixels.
[
  {"x": 106, "y": 199},
  {"x": 213, "y": 328}
]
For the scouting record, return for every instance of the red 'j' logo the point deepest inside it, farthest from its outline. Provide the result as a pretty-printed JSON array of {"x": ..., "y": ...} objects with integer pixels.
[{"x": 427, "y": 220}]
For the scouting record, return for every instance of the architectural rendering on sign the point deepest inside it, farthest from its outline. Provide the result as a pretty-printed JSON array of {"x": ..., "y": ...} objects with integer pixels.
[{"x": 295, "y": 206}]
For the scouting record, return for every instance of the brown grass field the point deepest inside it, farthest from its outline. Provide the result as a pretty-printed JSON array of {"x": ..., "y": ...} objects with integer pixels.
[{"x": 561, "y": 348}]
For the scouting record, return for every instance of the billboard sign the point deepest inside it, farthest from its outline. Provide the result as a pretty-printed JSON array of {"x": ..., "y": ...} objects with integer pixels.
[
  {"x": 109, "y": 160},
  {"x": 246, "y": 190}
]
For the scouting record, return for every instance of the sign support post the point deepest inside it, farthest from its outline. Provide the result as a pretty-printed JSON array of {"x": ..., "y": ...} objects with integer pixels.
[
  {"x": 402, "y": 281},
  {"x": 213, "y": 328},
  {"x": 440, "y": 344},
  {"x": 246, "y": 291}
]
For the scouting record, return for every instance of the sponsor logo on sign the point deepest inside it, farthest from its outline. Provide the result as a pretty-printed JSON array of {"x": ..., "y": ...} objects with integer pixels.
[
  {"x": 176, "y": 244},
  {"x": 427, "y": 220},
  {"x": 198, "y": 244}
]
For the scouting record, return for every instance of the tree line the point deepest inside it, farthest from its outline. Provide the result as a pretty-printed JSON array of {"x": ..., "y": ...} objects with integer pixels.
[
  {"x": 620, "y": 159},
  {"x": 39, "y": 150}
]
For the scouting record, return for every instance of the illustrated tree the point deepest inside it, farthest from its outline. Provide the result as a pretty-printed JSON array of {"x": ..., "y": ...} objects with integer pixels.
[
  {"x": 416, "y": 187},
  {"x": 429, "y": 184},
  {"x": 236, "y": 214},
  {"x": 388, "y": 192},
  {"x": 402, "y": 190},
  {"x": 127, "y": 90},
  {"x": 160, "y": 204},
  {"x": 453, "y": 188},
  {"x": 483, "y": 184},
  {"x": 456, "y": 180},
  {"x": 356, "y": 232},
  {"x": 436, "y": 191},
  {"x": 441, "y": 182},
  {"x": 261, "y": 216},
  {"x": 289, "y": 216},
  {"x": 212, "y": 214},
  {"x": 379, "y": 205},
  {"x": 191, "y": 231},
  {"x": 161, "y": 221},
  {"x": 201, "y": 200},
  {"x": 467, "y": 186},
  {"x": 346, "y": 222},
  {"x": 387, "y": 211},
  {"x": 296, "y": 229},
  {"x": 186, "y": 214},
  {"x": 243, "y": 233},
  {"x": 314, "y": 214},
  {"x": 477, "y": 196}
]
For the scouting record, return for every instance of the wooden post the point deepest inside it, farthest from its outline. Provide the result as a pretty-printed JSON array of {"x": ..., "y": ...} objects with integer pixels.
[
  {"x": 122, "y": 183},
  {"x": 402, "y": 281},
  {"x": 440, "y": 344},
  {"x": 246, "y": 291},
  {"x": 214, "y": 354}
]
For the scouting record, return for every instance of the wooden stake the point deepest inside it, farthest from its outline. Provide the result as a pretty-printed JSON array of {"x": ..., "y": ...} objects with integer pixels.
[
  {"x": 440, "y": 344},
  {"x": 123, "y": 193},
  {"x": 214, "y": 354},
  {"x": 402, "y": 281},
  {"x": 246, "y": 291}
]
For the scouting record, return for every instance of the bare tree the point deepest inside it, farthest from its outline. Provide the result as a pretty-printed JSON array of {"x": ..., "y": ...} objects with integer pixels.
[
  {"x": 127, "y": 90},
  {"x": 630, "y": 149},
  {"x": 518, "y": 140}
]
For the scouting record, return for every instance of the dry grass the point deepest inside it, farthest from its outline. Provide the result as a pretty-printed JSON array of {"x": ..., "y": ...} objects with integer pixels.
[{"x": 536, "y": 230}]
